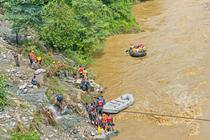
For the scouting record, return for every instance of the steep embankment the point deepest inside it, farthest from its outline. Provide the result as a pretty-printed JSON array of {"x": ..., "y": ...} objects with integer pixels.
[{"x": 27, "y": 106}]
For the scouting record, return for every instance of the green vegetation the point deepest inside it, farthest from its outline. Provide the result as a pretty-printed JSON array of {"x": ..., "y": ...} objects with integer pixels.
[
  {"x": 24, "y": 106},
  {"x": 86, "y": 98},
  {"x": 32, "y": 135},
  {"x": 37, "y": 117},
  {"x": 39, "y": 51},
  {"x": 52, "y": 89},
  {"x": 3, "y": 92},
  {"x": 22, "y": 133},
  {"x": 73, "y": 27},
  {"x": 23, "y": 14},
  {"x": 138, "y": 1}
]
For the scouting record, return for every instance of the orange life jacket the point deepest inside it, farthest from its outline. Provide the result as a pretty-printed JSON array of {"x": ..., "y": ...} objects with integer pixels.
[
  {"x": 81, "y": 69},
  {"x": 85, "y": 73},
  {"x": 104, "y": 119},
  {"x": 39, "y": 60}
]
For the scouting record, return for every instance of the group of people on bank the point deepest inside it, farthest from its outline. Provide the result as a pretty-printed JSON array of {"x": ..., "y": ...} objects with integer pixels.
[
  {"x": 35, "y": 63},
  {"x": 34, "y": 60},
  {"x": 83, "y": 75},
  {"x": 97, "y": 117}
]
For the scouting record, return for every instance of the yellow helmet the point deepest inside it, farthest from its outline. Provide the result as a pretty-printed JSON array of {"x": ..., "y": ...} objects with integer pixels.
[
  {"x": 39, "y": 58},
  {"x": 32, "y": 50}
]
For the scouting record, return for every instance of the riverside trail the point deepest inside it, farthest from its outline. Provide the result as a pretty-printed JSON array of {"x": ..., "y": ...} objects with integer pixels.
[{"x": 173, "y": 79}]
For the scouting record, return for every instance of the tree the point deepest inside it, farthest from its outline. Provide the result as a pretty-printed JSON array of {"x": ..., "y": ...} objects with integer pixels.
[
  {"x": 94, "y": 16},
  {"x": 60, "y": 29},
  {"x": 77, "y": 27},
  {"x": 123, "y": 21},
  {"x": 23, "y": 14},
  {"x": 107, "y": 1}
]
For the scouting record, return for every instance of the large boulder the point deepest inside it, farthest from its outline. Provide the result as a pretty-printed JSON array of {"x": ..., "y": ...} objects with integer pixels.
[
  {"x": 36, "y": 96},
  {"x": 7, "y": 34},
  {"x": 39, "y": 71}
]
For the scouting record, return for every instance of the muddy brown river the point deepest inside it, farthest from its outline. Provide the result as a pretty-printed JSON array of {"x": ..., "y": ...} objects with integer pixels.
[{"x": 173, "y": 79}]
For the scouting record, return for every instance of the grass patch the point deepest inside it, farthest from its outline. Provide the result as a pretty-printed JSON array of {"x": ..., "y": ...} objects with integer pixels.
[
  {"x": 37, "y": 117},
  {"x": 31, "y": 135},
  {"x": 24, "y": 106},
  {"x": 21, "y": 133},
  {"x": 3, "y": 92},
  {"x": 86, "y": 98},
  {"x": 53, "y": 87}
]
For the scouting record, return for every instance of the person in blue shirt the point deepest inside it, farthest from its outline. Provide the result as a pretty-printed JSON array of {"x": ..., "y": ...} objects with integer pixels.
[
  {"x": 59, "y": 102},
  {"x": 103, "y": 100},
  {"x": 34, "y": 82}
]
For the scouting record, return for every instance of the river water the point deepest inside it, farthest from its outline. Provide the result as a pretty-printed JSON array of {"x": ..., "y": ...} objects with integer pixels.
[{"x": 173, "y": 79}]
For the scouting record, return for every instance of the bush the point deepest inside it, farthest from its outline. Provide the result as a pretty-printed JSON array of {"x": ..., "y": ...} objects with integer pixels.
[
  {"x": 3, "y": 92},
  {"x": 52, "y": 89}
]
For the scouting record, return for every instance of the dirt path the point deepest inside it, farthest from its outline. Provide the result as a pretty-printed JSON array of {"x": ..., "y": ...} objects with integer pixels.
[{"x": 172, "y": 79}]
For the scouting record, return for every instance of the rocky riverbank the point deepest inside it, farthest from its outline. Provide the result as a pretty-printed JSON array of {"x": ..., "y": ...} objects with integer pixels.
[{"x": 28, "y": 106}]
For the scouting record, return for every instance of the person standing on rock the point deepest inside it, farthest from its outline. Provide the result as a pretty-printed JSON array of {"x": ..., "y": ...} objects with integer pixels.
[
  {"x": 39, "y": 60},
  {"x": 100, "y": 106},
  {"x": 104, "y": 122},
  {"x": 81, "y": 70},
  {"x": 16, "y": 57},
  {"x": 85, "y": 74},
  {"x": 50, "y": 117},
  {"x": 32, "y": 57},
  {"x": 110, "y": 122},
  {"x": 101, "y": 97}
]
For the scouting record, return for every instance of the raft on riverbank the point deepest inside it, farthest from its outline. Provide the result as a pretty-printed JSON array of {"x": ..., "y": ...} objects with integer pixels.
[{"x": 119, "y": 104}]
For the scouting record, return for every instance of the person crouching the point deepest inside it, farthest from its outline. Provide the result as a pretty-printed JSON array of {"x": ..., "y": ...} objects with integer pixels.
[
  {"x": 34, "y": 82},
  {"x": 59, "y": 102}
]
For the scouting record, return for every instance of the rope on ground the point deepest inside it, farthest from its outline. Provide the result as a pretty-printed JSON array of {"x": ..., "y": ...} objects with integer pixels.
[{"x": 164, "y": 115}]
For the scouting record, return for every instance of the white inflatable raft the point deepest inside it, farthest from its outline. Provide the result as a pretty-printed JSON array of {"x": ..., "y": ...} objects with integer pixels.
[{"x": 119, "y": 104}]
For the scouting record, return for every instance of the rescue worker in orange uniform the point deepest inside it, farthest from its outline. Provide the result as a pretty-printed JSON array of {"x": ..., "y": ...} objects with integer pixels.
[
  {"x": 110, "y": 122},
  {"x": 104, "y": 121},
  {"x": 32, "y": 56},
  {"x": 85, "y": 73},
  {"x": 81, "y": 70},
  {"x": 39, "y": 60}
]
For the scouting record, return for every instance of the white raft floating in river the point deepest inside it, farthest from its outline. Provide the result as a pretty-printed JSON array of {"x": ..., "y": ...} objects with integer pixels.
[{"x": 119, "y": 104}]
